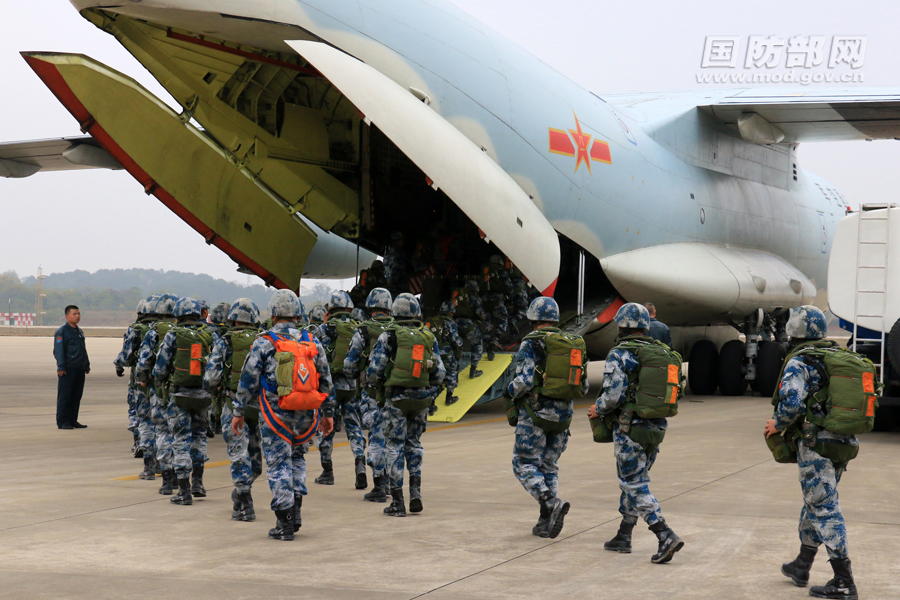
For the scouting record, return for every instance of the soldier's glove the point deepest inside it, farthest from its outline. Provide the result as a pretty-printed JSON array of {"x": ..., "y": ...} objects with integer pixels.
[{"x": 120, "y": 371}]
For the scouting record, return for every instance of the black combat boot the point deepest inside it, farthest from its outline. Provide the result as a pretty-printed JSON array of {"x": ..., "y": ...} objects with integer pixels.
[
  {"x": 211, "y": 432},
  {"x": 327, "y": 476},
  {"x": 147, "y": 474},
  {"x": 473, "y": 372},
  {"x": 669, "y": 543},
  {"x": 136, "y": 450},
  {"x": 183, "y": 496},
  {"x": 415, "y": 493},
  {"x": 798, "y": 569},
  {"x": 622, "y": 542},
  {"x": 197, "y": 488},
  {"x": 557, "y": 508},
  {"x": 397, "y": 507},
  {"x": 379, "y": 490},
  {"x": 450, "y": 400},
  {"x": 542, "y": 528},
  {"x": 298, "y": 502},
  {"x": 242, "y": 509},
  {"x": 168, "y": 477},
  {"x": 284, "y": 525},
  {"x": 841, "y": 587},
  {"x": 490, "y": 352},
  {"x": 361, "y": 481},
  {"x": 219, "y": 426},
  {"x": 157, "y": 468}
]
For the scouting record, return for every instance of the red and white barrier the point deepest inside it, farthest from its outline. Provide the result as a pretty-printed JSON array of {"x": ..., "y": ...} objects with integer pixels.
[{"x": 17, "y": 319}]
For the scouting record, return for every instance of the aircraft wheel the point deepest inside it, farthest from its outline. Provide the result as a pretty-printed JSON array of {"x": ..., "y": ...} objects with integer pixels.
[
  {"x": 703, "y": 364},
  {"x": 768, "y": 367},
  {"x": 731, "y": 369}
]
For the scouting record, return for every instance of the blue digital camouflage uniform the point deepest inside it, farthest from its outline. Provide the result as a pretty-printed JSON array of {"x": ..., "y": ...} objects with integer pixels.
[
  {"x": 138, "y": 401},
  {"x": 535, "y": 453},
  {"x": 371, "y": 414},
  {"x": 470, "y": 328},
  {"x": 632, "y": 463},
  {"x": 451, "y": 343},
  {"x": 188, "y": 428},
  {"x": 396, "y": 268},
  {"x": 821, "y": 520},
  {"x": 244, "y": 450},
  {"x": 285, "y": 462},
  {"x": 347, "y": 409},
  {"x": 158, "y": 415},
  {"x": 519, "y": 300},
  {"x": 402, "y": 431}
]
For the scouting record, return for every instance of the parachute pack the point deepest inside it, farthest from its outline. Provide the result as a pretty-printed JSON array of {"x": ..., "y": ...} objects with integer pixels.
[
  {"x": 341, "y": 334},
  {"x": 193, "y": 343},
  {"x": 241, "y": 340},
  {"x": 296, "y": 377},
  {"x": 655, "y": 388},
  {"x": 414, "y": 360},
  {"x": 565, "y": 366},
  {"x": 491, "y": 280},
  {"x": 463, "y": 301},
  {"x": 140, "y": 327}
]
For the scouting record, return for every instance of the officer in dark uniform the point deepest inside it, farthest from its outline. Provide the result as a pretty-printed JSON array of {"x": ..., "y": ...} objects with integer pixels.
[{"x": 72, "y": 364}]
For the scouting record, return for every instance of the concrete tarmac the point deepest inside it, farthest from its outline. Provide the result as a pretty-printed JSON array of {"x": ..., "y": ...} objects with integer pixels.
[{"x": 72, "y": 527}]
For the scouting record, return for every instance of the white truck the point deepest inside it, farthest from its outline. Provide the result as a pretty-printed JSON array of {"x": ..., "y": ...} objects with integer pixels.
[{"x": 864, "y": 293}]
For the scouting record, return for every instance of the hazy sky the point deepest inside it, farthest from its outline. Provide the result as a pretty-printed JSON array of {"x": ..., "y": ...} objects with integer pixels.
[{"x": 102, "y": 219}]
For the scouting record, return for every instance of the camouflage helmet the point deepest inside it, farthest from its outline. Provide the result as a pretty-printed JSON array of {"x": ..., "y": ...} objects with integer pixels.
[
  {"x": 633, "y": 316},
  {"x": 150, "y": 304},
  {"x": 807, "y": 322},
  {"x": 317, "y": 314},
  {"x": 543, "y": 309},
  {"x": 244, "y": 310},
  {"x": 377, "y": 266},
  {"x": 448, "y": 306},
  {"x": 285, "y": 303},
  {"x": 497, "y": 260},
  {"x": 219, "y": 313},
  {"x": 204, "y": 305},
  {"x": 397, "y": 236},
  {"x": 379, "y": 298},
  {"x": 186, "y": 307},
  {"x": 142, "y": 306},
  {"x": 340, "y": 299},
  {"x": 406, "y": 306},
  {"x": 471, "y": 285},
  {"x": 358, "y": 314},
  {"x": 166, "y": 304}
]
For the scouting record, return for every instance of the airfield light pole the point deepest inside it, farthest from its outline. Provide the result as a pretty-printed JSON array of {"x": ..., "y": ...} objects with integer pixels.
[{"x": 39, "y": 300}]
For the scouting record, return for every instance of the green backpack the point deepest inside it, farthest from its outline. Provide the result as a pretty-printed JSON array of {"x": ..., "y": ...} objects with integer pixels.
[
  {"x": 564, "y": 369},
  {"x": 413, "y": 361},
  {"x": 490, "y": 279},
  {"x": 373, "y": 328},
  {"x": 438, "y": 326},
  {"x": 241, "y": 340},
  {"x": 656, "y": 386},
  {"x": 463, "y": 302},
  {"x": 141, "y": 327},
  {"x": 340, "y": 343},
  {"x": 193, "y": 342},
  {"x": 850, "y": 394}
]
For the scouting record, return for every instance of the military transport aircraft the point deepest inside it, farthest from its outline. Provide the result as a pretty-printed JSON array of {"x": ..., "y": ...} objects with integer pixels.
[{"x": 333, "y": 123}]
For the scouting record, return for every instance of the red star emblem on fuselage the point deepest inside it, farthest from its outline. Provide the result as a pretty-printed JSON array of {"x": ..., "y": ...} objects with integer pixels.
[
  {"x": 582, "y": 150},
  {"x": 583, "y": 145}
]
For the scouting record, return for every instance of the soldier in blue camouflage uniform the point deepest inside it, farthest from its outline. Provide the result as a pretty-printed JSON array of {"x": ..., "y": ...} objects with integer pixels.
[
  {"x": 378, "y": 303},
  {"x": 396, "y": 265},
  {"x": 403, "y": 430},
  {"x": 285, "y": 460},
  {"x": 536, "y": 452},
  {"x": 218, "y": 317},
  {"x": 633, "y": 464},
  {"x": 470, "y": 320},
  {"x": 188, "y": 427},
  {"x": 451, "y": 349},
  {"x": 346, "y": 407},
  {"x": 131, "y": 343},
  {"x": 317, "y": 316},
  {"x": 821, "y": 519},
  {"x": 519, "y": 301},
  {"x": 165, "y": 308},
  {"x": 244, "y": 448},
  {"x": 496, "y": 289}
]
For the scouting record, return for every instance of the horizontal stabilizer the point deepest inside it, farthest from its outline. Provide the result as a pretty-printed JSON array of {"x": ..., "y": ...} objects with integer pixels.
[{"x": 810, "y": 115}]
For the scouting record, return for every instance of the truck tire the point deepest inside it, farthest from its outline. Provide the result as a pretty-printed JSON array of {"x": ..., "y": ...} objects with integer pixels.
[
  {"x": 731, "y": 369},
  {"x": 703, "y": 364}
]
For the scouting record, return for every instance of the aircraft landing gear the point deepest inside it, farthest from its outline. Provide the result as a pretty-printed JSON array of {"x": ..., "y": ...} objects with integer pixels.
[
  {"x": 703, "y": 365},
  {"x": 732, "y": 381}
]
